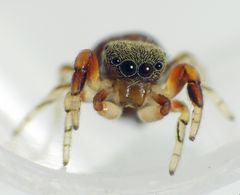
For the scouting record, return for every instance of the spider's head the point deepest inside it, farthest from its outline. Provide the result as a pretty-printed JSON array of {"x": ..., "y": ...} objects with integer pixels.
[{"x": 134, "y": 61}]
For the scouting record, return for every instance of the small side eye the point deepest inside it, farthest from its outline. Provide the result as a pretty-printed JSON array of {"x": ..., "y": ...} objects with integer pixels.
[
  {"x": 159, "y": 66},
  {"x": 115, "y": 61}
]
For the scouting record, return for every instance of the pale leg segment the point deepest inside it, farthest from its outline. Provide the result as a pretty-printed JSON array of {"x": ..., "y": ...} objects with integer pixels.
[
  {"x": 72, "y": 108},
  {"x": 72, "y": 104},
  {"x": 51, "y": 98},
  {"x": 66, "y": 72},
  {"x": 196, "y": 119},
  {"x": 183, "y": 120},
  {"x": 218, "y": 101}
]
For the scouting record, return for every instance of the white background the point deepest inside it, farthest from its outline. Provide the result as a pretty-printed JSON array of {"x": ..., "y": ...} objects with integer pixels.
[{"x": 36, "y": 37}]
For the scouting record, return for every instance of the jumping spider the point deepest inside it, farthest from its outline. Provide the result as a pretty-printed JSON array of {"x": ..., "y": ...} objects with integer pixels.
[{"x": 138, "y": 75}]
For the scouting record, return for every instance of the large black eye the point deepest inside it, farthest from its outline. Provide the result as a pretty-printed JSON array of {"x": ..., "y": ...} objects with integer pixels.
[
  {"x": 128, "y": 68},
  {"x": 159, "y": 66},
  {"x": 145, "y": 70},
  {"x": 115, "y": 61}
]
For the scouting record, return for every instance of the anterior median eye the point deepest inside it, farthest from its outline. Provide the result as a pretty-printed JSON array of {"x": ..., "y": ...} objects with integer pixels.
[
  {"x": 159, "y": 66},
  {"x": 145, "y": 70},
  {"x": 128, "y": 68},
  {"x": 115, "y": 61}
]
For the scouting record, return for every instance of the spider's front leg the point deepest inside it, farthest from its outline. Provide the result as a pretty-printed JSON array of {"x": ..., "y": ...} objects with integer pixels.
[
  {"x": 177, "y": 106},
  {"x": 179, "y": 76},
  {"x": 185, "y": 57},
  {"x": 157, "y": 110},
  {"x": 86, "y": 70}
]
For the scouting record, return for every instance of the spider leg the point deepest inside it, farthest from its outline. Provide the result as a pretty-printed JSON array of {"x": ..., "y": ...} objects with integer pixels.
[
  {"x": 178, "y": 77},
  {"x": 218, "y": 101},
  {"x": 159, "y": 109},
  {"x": 53, "y": 95},
  {"x": 105, "y": 108},
  {"x": 86, "y": 70},
  {"x": 66, "y": 72},
  {"x": 183, "y": 57},
  {"x": 51, "y": 98},
  {"x": 72, "y": 107},
  {"x": 186, "y": 57},
  {"x": 183, "y": 120}
]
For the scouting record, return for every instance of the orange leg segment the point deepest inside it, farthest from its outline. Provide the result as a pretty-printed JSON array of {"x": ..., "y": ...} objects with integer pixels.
[
  {"x": 186, "y": 74},
  {"x": 86, "y": 68}
]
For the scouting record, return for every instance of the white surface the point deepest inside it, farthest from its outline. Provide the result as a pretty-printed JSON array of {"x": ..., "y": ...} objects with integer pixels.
[{"x": 123, "y": 156}]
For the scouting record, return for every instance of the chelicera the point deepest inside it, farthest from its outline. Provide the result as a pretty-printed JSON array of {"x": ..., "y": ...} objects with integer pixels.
[{"x": 137, "y": 74}]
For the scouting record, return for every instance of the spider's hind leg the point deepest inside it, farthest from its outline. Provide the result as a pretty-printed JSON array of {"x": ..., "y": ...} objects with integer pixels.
[
  {"x": 66, "y": 72},
  {"x": 218, "y": 101},
  {"x": 51, "y": 98}
]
